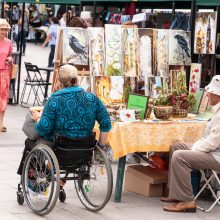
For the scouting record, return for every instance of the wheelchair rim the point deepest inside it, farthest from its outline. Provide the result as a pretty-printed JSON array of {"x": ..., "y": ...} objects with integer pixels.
[{"x": 44, "y": 154}]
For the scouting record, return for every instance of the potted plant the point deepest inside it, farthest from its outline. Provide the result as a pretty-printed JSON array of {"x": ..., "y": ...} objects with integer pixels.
[{"x": 162, "y": 108}]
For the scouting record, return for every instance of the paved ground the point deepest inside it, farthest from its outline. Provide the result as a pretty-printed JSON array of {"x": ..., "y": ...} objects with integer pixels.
[{"x": 132, "y": 207}]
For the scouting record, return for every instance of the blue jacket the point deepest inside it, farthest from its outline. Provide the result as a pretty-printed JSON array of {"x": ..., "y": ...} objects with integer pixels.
[{"x": 72, "y": 112}]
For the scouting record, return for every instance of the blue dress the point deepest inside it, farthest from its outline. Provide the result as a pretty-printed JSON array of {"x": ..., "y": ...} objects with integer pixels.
[{"x": 72, "y": 112}]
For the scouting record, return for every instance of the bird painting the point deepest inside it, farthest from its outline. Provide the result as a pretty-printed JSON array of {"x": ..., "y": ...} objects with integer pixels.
[
  {"x": 77, "y": 48},
  {"x": 183, "y": 44}
]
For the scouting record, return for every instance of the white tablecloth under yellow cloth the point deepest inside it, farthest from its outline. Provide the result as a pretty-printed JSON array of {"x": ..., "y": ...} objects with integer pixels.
[{"x": 158, "y": 136}]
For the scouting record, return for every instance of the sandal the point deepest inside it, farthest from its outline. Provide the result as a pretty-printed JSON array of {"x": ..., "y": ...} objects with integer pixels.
[{"x": 4, "y": 129}]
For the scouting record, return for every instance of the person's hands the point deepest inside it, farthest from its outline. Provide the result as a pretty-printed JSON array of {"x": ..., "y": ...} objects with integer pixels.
[
  {"x": 9, "y": 59},
  {"x": 43, "y": 45},
  {"x": 36, "y": 114}
]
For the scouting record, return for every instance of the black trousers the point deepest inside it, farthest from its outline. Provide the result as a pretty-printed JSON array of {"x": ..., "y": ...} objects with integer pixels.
[
  {"x": 51, "y": 56},
  {"x": 23, "y": 41}
]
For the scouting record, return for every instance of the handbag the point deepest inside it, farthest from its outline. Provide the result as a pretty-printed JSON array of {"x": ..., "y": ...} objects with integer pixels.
[
  {"x": 29, "y": 127},
  {"x": 14, "y": 71}
]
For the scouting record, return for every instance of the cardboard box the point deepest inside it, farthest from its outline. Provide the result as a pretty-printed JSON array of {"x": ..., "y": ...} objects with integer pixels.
[{"x": 144, "y": 180}]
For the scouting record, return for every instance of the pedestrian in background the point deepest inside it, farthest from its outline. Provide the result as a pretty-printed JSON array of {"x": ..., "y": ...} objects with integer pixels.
[
  {"x": 51, "y": 39},
  {"x": 5, "y": 69}
]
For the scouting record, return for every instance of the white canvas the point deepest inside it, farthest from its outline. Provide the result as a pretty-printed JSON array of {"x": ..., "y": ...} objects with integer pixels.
[{"x": 96, "y": 51}]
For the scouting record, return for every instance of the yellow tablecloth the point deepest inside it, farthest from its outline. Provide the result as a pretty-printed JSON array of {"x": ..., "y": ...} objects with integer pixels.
[{"x": 158, "y": 136}]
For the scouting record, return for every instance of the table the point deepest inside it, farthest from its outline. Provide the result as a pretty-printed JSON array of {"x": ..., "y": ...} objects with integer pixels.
[
  {"x": 48, "y": 71},
  {"x": 145, "y": 136}
]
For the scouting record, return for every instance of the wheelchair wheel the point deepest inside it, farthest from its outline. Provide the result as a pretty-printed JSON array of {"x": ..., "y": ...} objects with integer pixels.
[
  {"x": 62, "y": 196},
  {"x": 41, "y": 179},
  {"x": 95, "y": 191},
  {"x": 20, "y": 198}
]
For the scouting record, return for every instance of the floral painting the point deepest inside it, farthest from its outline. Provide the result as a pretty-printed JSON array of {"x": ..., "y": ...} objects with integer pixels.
[
  {"x": 75, "y": 46},
  {"x": 130, "y": 51},
  {"x": 114, "y": 50},
  {"x": 195, "y": 77},
  {"x": 179, "y": 47},
  {"x": 162, "y": 53},
  {"x": 205, "y": 32},
  {"x": 178, "y": 79},
  {"x": 96, "y": 51},
  {"x": 145, "y": 52},
  {"x": 116, "y": 88}
]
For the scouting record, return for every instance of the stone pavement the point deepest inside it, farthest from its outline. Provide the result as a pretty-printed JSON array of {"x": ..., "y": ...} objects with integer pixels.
[{"x": 132, "y": 206}]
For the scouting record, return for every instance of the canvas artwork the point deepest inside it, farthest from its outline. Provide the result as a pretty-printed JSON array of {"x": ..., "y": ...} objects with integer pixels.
[
  {"x": 198, "y": 97},
  {"x": 162, "y": 55},
  {"x": 145, "y": 52},
  {"x": 102, "y": 88},
  {"x": 85, "y": 82},
  {"x": 114, "y": 50},
  {"x": 96, "y": 51},
  {"x": 116, "y": 89},
  {"x": 75, "y": 46},
  {"x": 195, "y": 77},
  {"x": 205, "y": 32},
  {"x": 204, "y": 103},
  {"x": 130, "y": 51},
  {"x": 179, "y": 47},
  {"x": 178, "y": 79}
]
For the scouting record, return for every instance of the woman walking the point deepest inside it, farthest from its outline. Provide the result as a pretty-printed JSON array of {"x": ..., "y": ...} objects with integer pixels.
[
  {"x": 5, "y": 69},
  {"x": 51, "y": 38}
]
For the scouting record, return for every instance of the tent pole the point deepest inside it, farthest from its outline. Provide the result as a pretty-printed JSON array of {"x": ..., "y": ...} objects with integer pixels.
[
  {"x": 2, "y": 12},
  {"x": 20, "y": 52},
  {"x": 94, "y": 13},
  {"x": 192, "y": 28}
]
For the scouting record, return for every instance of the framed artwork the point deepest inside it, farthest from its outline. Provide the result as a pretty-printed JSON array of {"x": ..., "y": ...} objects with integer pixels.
[
  {"x": 85, "y": 83},
  {"x": 102, "y": 88},
  {"x": 96, "y": 51},
  {"x": 114, "y": 50},
  {"x": 177, "y": 79},
  {"x": 179, "y": 47},
  {"x": 162, "y": 45},
  {"x": 75, "y": 46},
  {"x": 205, "y": 32},
  {"x": 130, "y": 51},
  {"x": 198, "y": 97},
  {"x": 204, "y": 103},
  {"x": 195, "y": 77},
  {"x": 116, "y": 89},
  {"x": 145, "y": 52},
  {"x": 138, "y": 102}
]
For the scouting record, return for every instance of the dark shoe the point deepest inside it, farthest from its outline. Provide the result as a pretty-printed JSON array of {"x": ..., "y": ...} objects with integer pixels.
[
  {"x": 167, "y": 199},
  {"x": 4, "y": 129},
  {"x": 182, "y": 207}
]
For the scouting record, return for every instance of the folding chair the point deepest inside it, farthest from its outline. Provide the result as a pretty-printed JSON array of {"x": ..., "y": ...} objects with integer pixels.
[
  {"x": 213, "y": 176},
  {"x": 36, "y": 83}
]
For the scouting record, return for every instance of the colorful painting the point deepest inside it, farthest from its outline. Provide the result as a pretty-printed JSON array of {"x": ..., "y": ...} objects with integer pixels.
[
  {"x": 178, "y": 79},
  {"x": 130, "y": 51},
  {"x": 198, "y": 97},
  {"x": 114, "y": 50},
  {"x": 179, "y": 47},
  {"x": 145, "y": 53},
  {"x": 195, "y": 77},
  {"x": 75, "y": 46},
  {"x": 96, "y": 51},
  {"x": 205, "y": 32},
  {"x": 162, "y": 53}
]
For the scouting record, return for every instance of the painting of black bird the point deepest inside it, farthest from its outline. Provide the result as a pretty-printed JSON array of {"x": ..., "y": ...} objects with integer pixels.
[
  {"x": 77, "y": 47},
  {"x": 183, "y": 44}
]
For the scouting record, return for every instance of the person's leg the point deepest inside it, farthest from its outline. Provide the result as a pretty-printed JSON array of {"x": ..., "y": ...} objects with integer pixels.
[
  {"x": 18, "y": 41},
  {"x": 24, "y": 41},
  {"x": 51, "y": 56},
  {"x": 2, "y": 113},
  {"x": 29, "y": 145},
  {"x": 183, "y": 162}
]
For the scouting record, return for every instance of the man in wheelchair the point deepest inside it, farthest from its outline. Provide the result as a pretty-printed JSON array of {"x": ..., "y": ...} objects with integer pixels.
[
  {"x": 203, "y": 154},
  {"x": 66, "y": 123}
]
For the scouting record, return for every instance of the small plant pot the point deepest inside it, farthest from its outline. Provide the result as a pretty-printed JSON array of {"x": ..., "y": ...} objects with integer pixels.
[{"x": 163, "y": 112}]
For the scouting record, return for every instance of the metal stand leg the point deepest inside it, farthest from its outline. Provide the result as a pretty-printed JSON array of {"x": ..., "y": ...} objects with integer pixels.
[{"x": 120, "y": 178}]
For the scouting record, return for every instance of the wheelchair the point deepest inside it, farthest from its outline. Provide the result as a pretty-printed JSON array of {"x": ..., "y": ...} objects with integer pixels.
[{"x": 45, "y": 170}]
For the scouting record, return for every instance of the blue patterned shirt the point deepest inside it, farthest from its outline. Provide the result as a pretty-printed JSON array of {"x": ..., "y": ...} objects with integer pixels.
[{"x": 72, "y": 112}]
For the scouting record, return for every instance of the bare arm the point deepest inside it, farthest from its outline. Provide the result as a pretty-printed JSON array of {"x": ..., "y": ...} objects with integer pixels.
[
  {"x": 49, "y": 36},
  {"x": 103, "y": 137}
]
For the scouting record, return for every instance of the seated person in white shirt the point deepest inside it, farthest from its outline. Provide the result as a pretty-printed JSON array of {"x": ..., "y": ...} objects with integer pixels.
[{"x": 203, "y": 154}]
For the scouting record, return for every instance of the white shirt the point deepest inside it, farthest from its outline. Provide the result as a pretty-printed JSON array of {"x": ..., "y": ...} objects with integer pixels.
[{"x": 210, "y": 142}]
